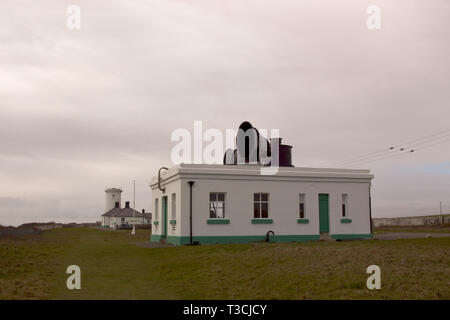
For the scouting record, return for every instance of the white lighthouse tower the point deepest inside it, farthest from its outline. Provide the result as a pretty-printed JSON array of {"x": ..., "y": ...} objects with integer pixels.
[{"x": 113, "y": 195}]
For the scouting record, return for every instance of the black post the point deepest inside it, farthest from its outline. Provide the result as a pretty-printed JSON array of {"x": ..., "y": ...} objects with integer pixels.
[
  {"x": 190, "y": 210},
  {"x": 370, "y": 208}
]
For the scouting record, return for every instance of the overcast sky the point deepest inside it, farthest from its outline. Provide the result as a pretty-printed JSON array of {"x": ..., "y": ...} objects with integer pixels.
[{"x": 95, "y": 107}]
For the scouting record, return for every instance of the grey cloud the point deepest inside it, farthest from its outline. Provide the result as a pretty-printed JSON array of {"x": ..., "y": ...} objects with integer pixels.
[{"x": 84, "y": 109}]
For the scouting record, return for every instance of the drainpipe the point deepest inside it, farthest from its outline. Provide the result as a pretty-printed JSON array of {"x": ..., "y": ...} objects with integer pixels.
[
  {"x": 191, "y": 183},
  {"x": 370, "y": 208}
]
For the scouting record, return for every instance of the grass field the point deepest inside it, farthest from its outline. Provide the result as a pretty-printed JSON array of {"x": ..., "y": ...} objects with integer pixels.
[{"x": 114, "y": 267}]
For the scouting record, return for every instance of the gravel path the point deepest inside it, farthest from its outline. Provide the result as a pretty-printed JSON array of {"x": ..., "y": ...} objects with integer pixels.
[{"x": 409, "y": 235}]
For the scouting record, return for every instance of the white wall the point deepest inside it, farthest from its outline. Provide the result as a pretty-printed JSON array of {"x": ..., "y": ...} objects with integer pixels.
[
  {"x": 283, "y": 207},
  {"x": 283, "y": 204},
  {"x": 173, "y": 187},
  {"x": 105, "y": 221},
  {"x": 117, "y": 221}
]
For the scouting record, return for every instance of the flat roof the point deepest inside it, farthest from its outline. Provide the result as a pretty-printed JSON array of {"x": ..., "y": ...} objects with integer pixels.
[
  {"x": 113, "y": 190},
  {"x": 254, "y": 171}
]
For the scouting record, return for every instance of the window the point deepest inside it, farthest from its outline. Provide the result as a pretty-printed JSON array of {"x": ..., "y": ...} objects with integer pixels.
[
  {"x": 217, "y": 205},
  {"x": 344, "y": 205},
  {"x": 301, "y": 206},
  {"x": 156, "y": 209},
  {"x": 174, "y": 206},
  {"x": 260, "y": 205}
]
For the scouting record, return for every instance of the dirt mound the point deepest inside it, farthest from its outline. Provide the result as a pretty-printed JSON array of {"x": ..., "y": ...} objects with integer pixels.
[{"x": 12, "y": 232}]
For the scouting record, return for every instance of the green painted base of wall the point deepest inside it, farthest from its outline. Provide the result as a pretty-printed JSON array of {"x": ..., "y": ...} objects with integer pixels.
[
  {"x": 239, "y": 239},
  {"x": 176, "y": 240},
  {"x": 351, "y": 236},
  {"x": 155, "y": 238}
]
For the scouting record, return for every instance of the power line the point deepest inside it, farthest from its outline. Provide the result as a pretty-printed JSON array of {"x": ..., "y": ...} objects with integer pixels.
[
  {"x": 385, "y": 157},
  {"x": 407, "y": 147},
  {"x": 432, "y": 145},
  {"x": 408, "y": 143},
  {"x": 361, "y": 156},
  {"x": 409, "y": 150},
  {"x": 405, "y": 152}
]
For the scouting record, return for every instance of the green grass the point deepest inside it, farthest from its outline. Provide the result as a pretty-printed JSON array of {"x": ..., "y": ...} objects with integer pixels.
[{"x": 114, "y": 267}]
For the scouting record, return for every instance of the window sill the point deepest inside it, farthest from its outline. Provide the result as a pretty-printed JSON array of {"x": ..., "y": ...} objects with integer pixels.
[
  {"x": 346, "y": 220},
  {"x": 155, "y": 223},
  {"x": 262, "y": 221},
  {"x": 301, "y": 221},
  {"x": 173, "y": 222},
  {"x": 218, "y": 221}
]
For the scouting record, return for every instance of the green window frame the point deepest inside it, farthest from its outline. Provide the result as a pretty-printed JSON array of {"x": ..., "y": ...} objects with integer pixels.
[
  {"x": 262, "y": 221},
  {"x": 218, "y": 221}
]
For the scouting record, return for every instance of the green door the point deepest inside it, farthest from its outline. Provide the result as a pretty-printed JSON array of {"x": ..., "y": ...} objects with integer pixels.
[
  {"x": 324, "y": 219},
  {"x": 164, "y": 212}
]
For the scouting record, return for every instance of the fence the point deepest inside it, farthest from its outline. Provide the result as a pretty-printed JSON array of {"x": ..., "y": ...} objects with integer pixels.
[{"x": 412, "y": 221}]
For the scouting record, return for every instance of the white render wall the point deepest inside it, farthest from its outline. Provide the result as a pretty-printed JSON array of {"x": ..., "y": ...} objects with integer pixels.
[
  {"x": 240, "y": 182},
  {"x": 172, "y": 187},
  {"x": 105, "y": 221},
  {"x": 117, "y": 221}
]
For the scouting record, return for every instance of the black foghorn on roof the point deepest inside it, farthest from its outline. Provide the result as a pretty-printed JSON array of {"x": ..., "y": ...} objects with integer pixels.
[{"x": 253, "y": 148}]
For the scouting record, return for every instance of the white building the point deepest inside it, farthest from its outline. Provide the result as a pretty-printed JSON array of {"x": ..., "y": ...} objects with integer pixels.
[
  {"x": 235, "y": 203},
  {"x": 238, "y": 204},
  {"x": 115, "y": 215}
]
